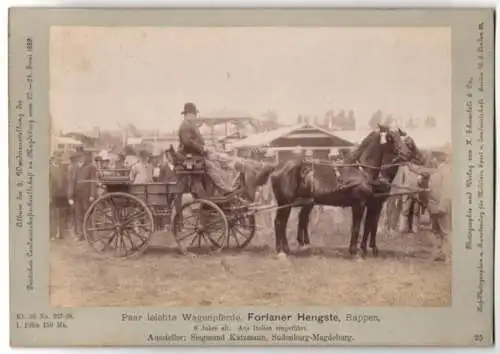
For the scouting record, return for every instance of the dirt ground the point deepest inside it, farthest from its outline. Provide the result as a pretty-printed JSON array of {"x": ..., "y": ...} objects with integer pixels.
[{"x": 403, "y": 274}]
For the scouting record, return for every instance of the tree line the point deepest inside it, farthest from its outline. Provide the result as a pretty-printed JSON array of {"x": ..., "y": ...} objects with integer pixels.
[{"x": 347, "y": 121}]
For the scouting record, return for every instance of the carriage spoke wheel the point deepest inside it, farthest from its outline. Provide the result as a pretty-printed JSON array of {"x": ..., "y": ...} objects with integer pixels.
[
  {"x": 200, "y": 226},
  {"x": 242, "y": 227},
  {"x": 119, "y": 225}
]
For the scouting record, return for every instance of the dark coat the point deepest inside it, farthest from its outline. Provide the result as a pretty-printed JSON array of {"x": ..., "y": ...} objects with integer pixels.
[
  {"x": 166, "y": 173},
  {"x": 58, "y": 182},
  {"x": 83, "y": 183},
  {"x": 191, "y": 141},
  {"x": 70, "y": 180}
]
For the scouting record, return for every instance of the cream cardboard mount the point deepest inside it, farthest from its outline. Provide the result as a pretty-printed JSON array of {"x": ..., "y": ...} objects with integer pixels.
[{"x": 288, "y": 106}]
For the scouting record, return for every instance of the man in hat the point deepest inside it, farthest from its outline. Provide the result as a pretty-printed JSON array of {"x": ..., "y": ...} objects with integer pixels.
[
  {"x": 82, "y": 189},
  {"x": 191, "y": 142},
  {"x": 70, "y": 176},
  {"x": 98, "y": 161},
  {"x": 156, "y": 161},
  {"x": 120, "y": 161},
  {"x": 105, "y": 165},
  {"x": 58, "y": 201},
  {"x": 167, "y": 171}
]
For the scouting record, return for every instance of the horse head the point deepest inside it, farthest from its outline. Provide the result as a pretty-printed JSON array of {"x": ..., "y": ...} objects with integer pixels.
[
  {"x": 416, "y": 156},
  {"x": 394, "y": 140}
]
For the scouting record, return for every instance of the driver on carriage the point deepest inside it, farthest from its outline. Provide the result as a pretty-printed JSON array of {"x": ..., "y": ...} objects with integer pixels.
[{"x": 191, "y": 142}]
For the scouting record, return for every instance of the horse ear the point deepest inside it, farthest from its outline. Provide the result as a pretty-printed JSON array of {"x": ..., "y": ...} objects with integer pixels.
[{"x": 382, "y": 127}]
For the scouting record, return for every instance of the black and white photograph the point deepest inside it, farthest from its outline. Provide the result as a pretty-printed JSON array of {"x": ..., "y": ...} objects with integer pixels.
[{"x": 250, "y": 166}]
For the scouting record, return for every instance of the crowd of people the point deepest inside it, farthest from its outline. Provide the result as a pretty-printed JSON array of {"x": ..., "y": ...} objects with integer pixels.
[{"x": 76, "y": 182}]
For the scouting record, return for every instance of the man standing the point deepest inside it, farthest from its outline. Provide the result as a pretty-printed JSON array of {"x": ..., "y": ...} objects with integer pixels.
[
  {"x": 437, "y": 198},
  {"x": 142, "y": 171},
  {"x": 58, "y": 202},
  {"x": 70, "y": 177},
  {"x": 120, "y": 162},
  {"x": 439, "y": 205},
  {"x": 167, "y": 172},
  {"x": 167, "y": 175},
  {"x": 410, "y": 213},
  {"x": 191, "y": 142},
  {"x": 82, "y": 189}
]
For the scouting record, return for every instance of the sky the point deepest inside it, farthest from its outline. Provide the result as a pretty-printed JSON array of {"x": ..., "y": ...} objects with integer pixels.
[{"x": 106, "y": 76}]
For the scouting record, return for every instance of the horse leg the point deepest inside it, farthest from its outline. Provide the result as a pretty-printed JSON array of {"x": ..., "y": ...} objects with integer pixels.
[
  {"x": 280, "y": 224},
  {"x": 357, "y": 216},
  {"x": 366, "y": 229},
  {"x": 373, "y": 229},
  {"x": 303, "y": 225},
  {"x": 300, "y": 234}
]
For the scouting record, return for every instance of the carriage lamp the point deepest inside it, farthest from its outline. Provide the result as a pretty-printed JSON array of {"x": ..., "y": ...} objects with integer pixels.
[{"x": 189, "y": 161}]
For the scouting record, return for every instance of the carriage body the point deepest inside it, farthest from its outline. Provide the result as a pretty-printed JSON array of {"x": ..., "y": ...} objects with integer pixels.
[
  {"x": 122, "y": 221},
  {"x": 157, "y": 196}
]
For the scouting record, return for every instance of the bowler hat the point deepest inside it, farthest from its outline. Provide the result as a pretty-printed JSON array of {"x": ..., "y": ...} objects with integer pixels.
[
  {"x": 189, "y": 107},
  {"x": 143, "y": 153}
]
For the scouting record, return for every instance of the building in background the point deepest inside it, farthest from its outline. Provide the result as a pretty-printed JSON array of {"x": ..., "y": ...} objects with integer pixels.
[
  {"x": 66, "y": 145},
  {"x": 284, "y": 140}
]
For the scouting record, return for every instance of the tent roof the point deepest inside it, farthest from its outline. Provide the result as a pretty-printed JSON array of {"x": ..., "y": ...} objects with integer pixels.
[{"x": 266, "y": 138}]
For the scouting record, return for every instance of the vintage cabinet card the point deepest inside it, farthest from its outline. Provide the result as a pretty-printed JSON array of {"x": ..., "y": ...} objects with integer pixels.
[{"x": 251, "y": 177}]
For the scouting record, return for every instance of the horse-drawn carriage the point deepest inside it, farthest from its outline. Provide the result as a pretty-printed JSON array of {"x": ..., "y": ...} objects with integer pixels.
[
  {"x": 123, "y": 220},
  {"x": 125, "y": 217}
]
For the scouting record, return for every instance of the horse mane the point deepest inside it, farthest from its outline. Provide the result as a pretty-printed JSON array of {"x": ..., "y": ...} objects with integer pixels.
[
  {"x": 356, "y": 154},
  {"x": 420, "y": 156}
]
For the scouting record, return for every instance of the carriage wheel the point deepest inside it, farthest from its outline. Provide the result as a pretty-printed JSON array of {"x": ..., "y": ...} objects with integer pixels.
[
  {"x": 199, "y": 226},
  {"x": 242, "y": 227},
  {"x": 119, "y": 225}
]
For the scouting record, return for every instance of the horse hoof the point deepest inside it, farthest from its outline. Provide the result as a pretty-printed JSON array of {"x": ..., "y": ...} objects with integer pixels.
[
  {"x": 304, "y": 247},
  {"x": 375, "y": 251},
  {"x": 281, "y": 255},
  {"x": 363, "y": 253}
]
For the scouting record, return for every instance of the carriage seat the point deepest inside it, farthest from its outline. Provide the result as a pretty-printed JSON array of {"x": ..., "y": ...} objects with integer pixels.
[{"x": 187, "y": 164}]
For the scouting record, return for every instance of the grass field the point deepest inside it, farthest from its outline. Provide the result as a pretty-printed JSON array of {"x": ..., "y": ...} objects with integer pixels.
[{"x": 403, "y": 275}]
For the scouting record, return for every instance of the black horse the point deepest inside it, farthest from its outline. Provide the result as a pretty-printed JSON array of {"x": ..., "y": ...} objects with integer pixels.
[
  {"x": 299, "y": 183},
  {"x": 374, "y": 206}
]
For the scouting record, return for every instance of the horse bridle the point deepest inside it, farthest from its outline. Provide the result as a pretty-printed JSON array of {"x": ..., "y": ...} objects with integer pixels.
[{"x": 400, "y": 157}]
